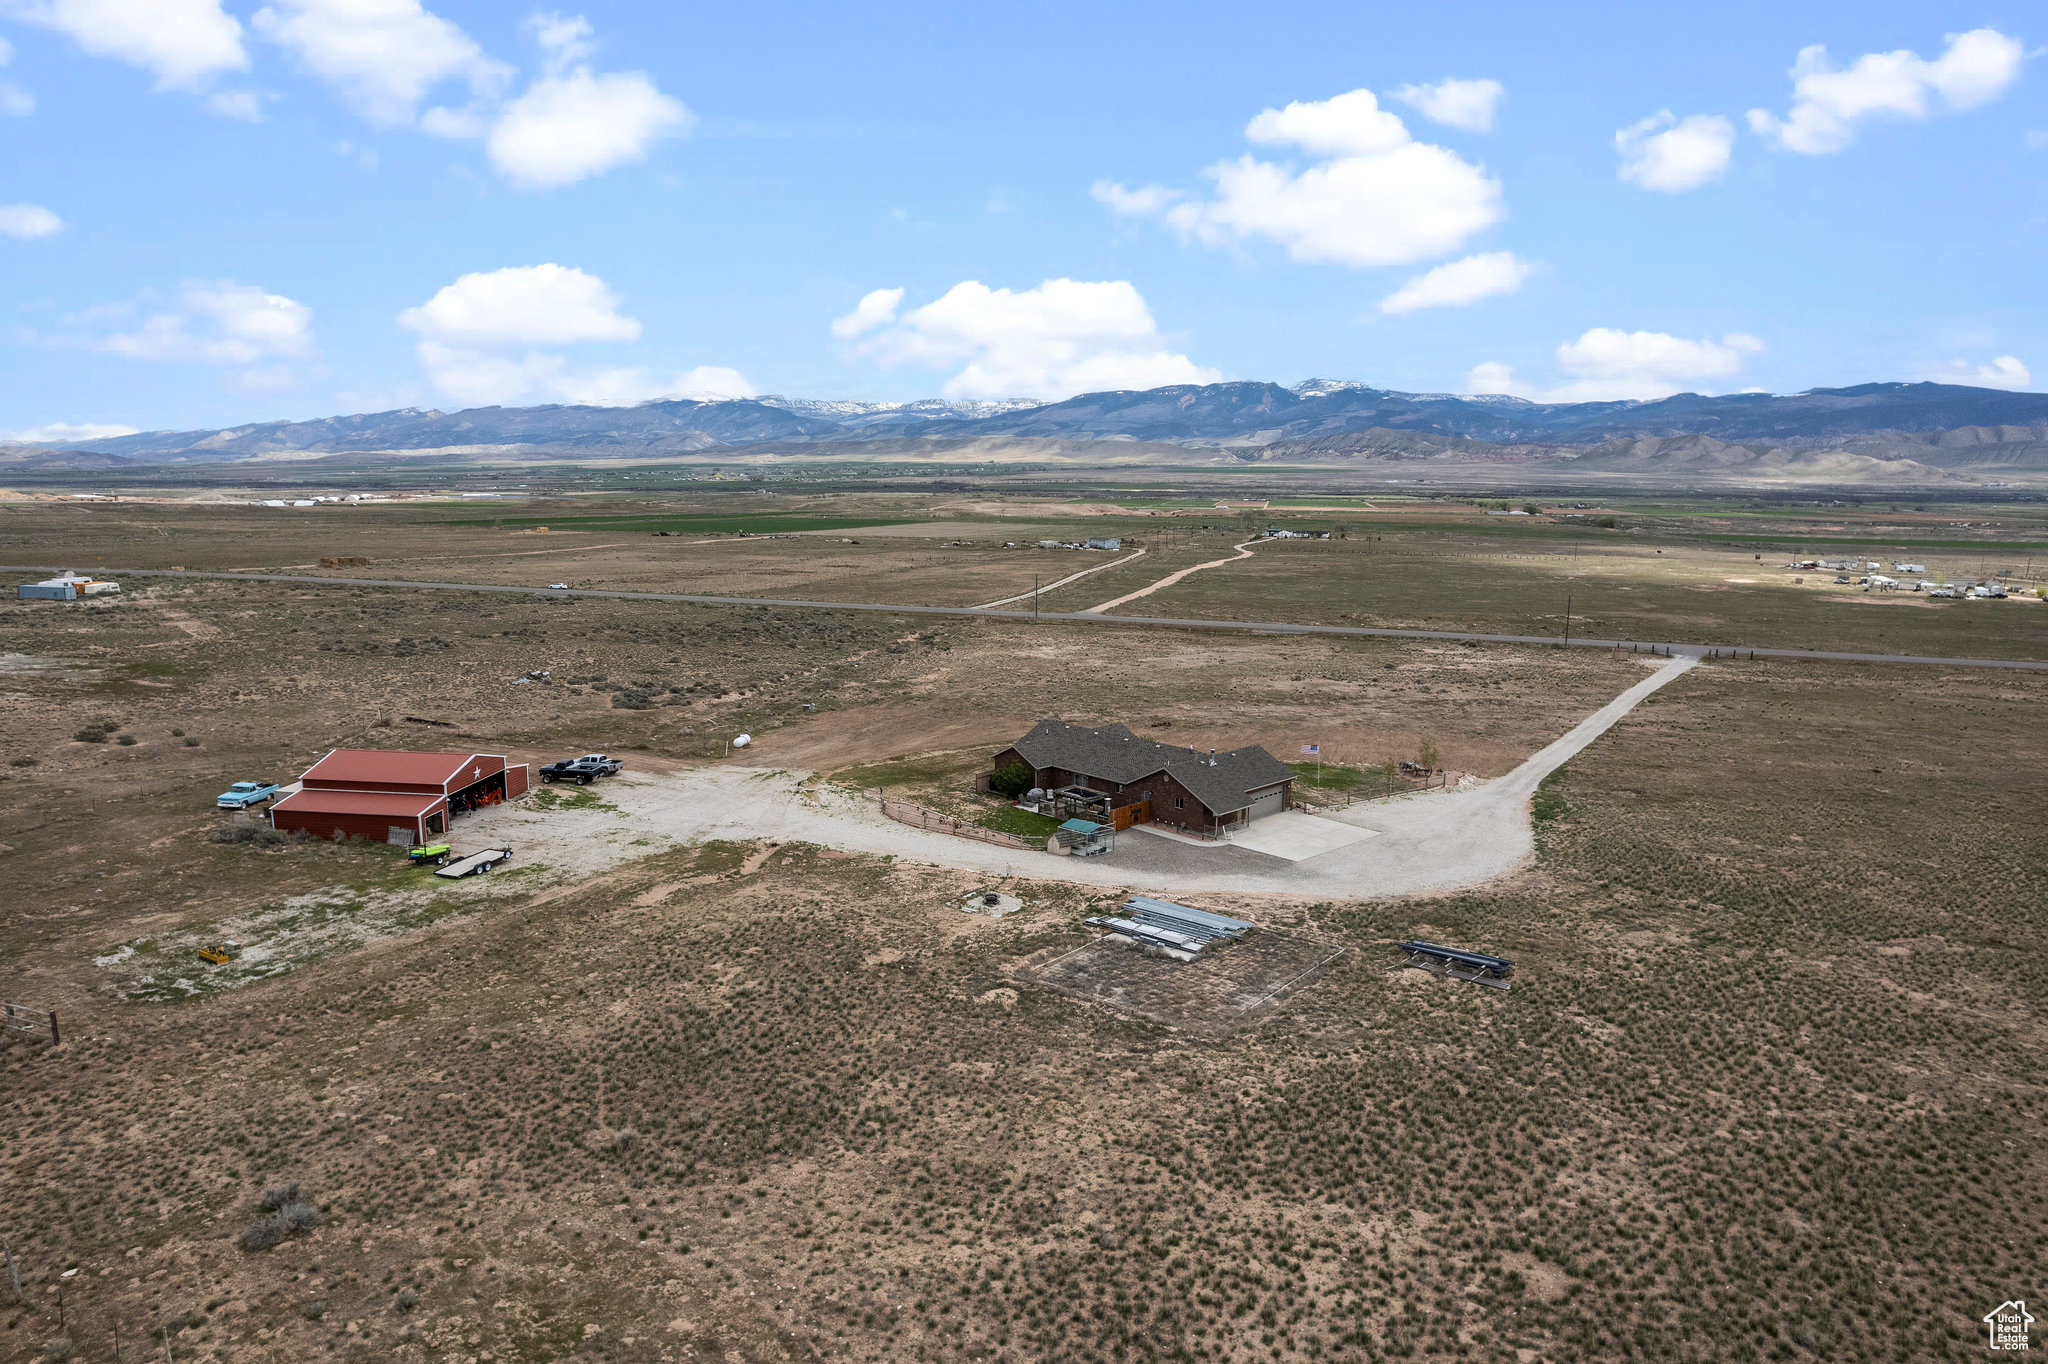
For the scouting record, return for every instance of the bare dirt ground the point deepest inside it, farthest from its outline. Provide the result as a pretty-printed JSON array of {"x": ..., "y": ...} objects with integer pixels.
[
  {"x": 1244, "y": 551},
  {"x": 1769, "y": 1071},
  {"x": 1426, "y": 843},
  {"x": 1062, "y": 582},
  {"x": 1228, "y": 987}
]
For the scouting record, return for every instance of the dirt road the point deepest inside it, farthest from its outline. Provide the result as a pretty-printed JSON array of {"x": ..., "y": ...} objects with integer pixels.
[
  {"x": 1424, "y": 842},
  {"x": 1255, "y": 627},
  {"x": 1243, "y": 552},
  {"x": 1071, "y": 577}
]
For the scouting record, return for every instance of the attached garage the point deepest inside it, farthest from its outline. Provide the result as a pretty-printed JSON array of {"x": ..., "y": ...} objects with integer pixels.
[
  {"x": 1268, "y": 802},
  {"x": 396, "y": 796},
  {"x": 1147, "y": 782}
]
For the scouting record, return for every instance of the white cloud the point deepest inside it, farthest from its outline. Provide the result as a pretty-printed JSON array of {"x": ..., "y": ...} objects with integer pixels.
[
  {"x": 712, "y": 383},
  {"x": 1351, "y": 124},
  {"x": 876, "y": 308},
  {"x": 522, "y": 305},
  {"x": 1828, "y": 103},
  {"x": 567, "y": 127},
  {"x": 564, "y": 39},
  {"x": 28, "y": 221},
  {"x": 13, "y": 99},
  {"x": 1378, "y": 198},
  {"x": 246, "y": 105},
  {"x": 50, "y": 432},
  {"x": 1611, "y": 364},
  {"x": 221, "y": 322},
  {"x": 1061, "y": 338},
  {"x": 1459, "y": 103},
  {"x": 571, "y": 123},
  {"x": 1137, "y": 203},
  {"x": 183, "y": 43},
  {"x": 2006, "y": 371},
  {"x": 476, "y": 337},
  {"x": 1460, "y": 282},
  {"x": 483, "y": 378},
  {"x": 1667, "y": 153},
  {"x": 365, "y": 157},
  {"x": 383, "y": 56}
]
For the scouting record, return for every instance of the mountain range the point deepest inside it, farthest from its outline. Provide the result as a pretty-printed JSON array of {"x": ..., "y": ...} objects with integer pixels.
[{"x": 1893, "y": 424}]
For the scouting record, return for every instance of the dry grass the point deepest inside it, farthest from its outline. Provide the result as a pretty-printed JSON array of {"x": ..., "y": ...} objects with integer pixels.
[{"x": 1767, "y": 1086}]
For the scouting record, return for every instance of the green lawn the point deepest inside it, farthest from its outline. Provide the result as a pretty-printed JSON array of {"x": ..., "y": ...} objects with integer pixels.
[
  {"x": 1334, "y": 778},
  {"x": 1023, "y": 823}
]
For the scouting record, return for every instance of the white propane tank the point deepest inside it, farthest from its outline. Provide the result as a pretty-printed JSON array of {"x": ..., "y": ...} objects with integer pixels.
[{"x": 743, "y": 741}]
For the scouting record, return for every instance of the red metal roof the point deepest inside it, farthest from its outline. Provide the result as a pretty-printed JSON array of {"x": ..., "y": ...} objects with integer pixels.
[
  {"x": 396, "y": 804},
  {"x": 384, "y": 767}
]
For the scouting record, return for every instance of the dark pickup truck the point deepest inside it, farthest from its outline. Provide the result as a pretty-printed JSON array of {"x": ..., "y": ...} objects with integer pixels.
[{"x": 583, "y": 770}]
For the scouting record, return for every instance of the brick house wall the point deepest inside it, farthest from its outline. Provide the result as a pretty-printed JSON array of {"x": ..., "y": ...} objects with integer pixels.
[{"x": 1174, "y": 804}]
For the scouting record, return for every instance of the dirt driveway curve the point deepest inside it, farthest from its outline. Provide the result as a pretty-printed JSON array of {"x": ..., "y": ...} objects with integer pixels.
[{"x": 1433, "y": 842}]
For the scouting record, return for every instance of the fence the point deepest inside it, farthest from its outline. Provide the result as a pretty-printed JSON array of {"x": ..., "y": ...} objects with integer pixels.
[
  {"x": 1388, "y": 785},
  {"x": 34, "y": 1022},
  {"x": 919, "y": 817}
]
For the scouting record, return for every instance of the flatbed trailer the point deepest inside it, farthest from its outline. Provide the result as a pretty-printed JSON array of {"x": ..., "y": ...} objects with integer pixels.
[{"x": 475, "y": 862}]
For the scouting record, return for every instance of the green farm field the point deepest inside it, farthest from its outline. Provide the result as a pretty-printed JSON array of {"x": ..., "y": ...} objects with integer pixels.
[{"x": 1638, "y": 590}]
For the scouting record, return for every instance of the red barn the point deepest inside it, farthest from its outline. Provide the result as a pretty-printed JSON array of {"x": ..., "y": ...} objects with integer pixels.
[{"x": 393, "y": 797}]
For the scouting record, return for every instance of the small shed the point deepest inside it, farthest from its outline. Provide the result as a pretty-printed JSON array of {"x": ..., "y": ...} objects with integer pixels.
[
  {"x": 66, "y": 586},
  {"x": 1080, "y": 838}
]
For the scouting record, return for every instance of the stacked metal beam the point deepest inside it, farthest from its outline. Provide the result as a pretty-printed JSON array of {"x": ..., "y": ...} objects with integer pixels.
[
  {"x": 1181, "y": 944},
  {"x": 1199, "y": 924}
]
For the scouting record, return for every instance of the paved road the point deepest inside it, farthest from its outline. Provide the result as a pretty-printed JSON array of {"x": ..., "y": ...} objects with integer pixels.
[{"x": 1082, "y": 617}]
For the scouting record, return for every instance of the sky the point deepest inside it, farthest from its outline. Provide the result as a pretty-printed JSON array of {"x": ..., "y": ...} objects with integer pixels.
[{"x": 215, "y": 212}]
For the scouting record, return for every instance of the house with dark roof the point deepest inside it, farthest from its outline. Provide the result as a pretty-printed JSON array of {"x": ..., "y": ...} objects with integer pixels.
[{"x": 1147, "y": 782}]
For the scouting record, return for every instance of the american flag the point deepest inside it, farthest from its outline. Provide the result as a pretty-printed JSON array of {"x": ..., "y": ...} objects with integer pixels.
[{"x": 1312, "y": 749}]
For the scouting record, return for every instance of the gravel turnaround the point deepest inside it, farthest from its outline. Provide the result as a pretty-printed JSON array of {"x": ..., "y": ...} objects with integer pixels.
[
  {"x": 1079, "y": 617},
  {"x": 1434, "y": 841}
]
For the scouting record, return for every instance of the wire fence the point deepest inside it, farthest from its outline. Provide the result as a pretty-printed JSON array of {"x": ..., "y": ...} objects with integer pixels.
[
  {"x": 922, "y": 817},
  {"x": 21, "y": 1018},
  {"x": 1386, "y": 785}
]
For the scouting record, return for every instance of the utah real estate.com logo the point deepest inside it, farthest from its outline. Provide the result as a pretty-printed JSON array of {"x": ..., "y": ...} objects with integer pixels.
[{"x": 2008, "y": 1323}]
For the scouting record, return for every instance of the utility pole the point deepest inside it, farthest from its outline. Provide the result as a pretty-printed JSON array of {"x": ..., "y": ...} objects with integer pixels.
[
  {"x": 1567, "y": 620},
  {"x": 1034, "y": 597}
]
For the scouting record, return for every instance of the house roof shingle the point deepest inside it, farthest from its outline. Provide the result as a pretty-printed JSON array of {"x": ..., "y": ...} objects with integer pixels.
[{"x": 1112, "y": 753}]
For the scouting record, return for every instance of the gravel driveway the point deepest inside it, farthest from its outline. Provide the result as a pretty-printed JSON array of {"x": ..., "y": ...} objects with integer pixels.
[{"x": 1426, "y": 842}]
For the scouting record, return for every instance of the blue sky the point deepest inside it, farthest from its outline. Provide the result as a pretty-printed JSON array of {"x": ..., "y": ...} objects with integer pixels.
[{"x": 214, "y": 212}]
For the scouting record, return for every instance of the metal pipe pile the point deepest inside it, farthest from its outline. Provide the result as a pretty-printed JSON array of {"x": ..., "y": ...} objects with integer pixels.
[
  {"x": 1147, "y": 933},
  {"x": 1194, "y": 923}
]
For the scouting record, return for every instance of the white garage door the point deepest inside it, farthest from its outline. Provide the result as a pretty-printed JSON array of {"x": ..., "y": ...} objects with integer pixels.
[{"x": 1271, "y": 803}]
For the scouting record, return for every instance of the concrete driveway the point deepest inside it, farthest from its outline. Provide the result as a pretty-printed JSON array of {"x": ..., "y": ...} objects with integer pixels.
[
  {"x": 1296, "y": 835},
  {"x": 1441, "y": 840}
]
